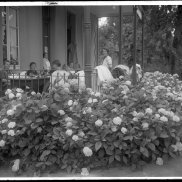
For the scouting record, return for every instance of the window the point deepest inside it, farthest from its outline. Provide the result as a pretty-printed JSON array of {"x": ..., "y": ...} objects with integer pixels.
[
  {"x": 10, "y": 34},
  {"x": 46, "y": 29}
]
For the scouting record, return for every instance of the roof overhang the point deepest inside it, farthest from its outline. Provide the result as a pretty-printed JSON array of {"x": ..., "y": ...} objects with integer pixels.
[{"x": 109, "y": 11}]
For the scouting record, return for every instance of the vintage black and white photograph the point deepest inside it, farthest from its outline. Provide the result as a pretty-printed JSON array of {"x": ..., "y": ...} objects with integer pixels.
[{"x": 91, "y": 90}]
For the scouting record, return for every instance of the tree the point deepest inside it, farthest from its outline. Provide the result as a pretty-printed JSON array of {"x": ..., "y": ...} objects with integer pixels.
[{"x": 162, "y": 46}]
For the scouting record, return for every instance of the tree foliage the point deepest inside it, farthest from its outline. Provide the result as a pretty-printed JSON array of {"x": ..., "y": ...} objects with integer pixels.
[{"x": 160, "y": 37}]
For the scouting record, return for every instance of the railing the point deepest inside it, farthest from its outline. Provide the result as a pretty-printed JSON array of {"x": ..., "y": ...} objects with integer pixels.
[{"x": 43, "y": 81}]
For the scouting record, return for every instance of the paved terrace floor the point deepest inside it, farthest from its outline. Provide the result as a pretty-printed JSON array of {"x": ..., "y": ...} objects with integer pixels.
[{"x": 172, "y": 168}]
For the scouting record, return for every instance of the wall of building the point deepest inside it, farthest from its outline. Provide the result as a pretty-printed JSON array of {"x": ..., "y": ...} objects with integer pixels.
[{"x": 30, "y": 40}]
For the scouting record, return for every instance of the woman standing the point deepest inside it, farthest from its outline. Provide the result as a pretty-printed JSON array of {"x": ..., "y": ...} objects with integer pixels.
[{"x": 107, "y": 60}]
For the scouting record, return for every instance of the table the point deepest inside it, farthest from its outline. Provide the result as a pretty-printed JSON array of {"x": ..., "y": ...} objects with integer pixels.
[{"x": 34, "y": 83}]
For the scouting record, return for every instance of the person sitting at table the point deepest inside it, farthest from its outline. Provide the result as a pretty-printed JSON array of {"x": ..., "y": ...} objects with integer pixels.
[
  {"x": 4, "y": 73},
  {"x": 32, "y": 72},
  {"x": 59, "y": 76}
]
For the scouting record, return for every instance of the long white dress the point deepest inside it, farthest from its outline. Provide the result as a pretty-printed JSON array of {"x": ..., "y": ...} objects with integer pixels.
[{"x": 104, "y": 75}]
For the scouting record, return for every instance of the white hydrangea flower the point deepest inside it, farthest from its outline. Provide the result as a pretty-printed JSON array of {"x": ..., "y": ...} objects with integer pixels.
[
  {"x": 159, "y": 161},
  {"x": 125, "y": 97},
  {"x": 84, "y": 172},
  {"x": 44, "y": 107},
  {"x": 124, "y": 130},
  {"x": 61, "y": 112},
  {"x": 19, "y": 90},
  {"x": 145, "y": 125},
  {"x": 33, "y": 93},
  {"x": 95, "y": 100},
  {"x": 140, "y": 115},
  {"x": 11, "y": 133},
  {"x": 69, "y": 124},
  {"x": 2, "y": 143},
  {"x": 18, "y": 95},
  {"x": 97, "y": 94},
  {"x": 90, "y": 100},
  {"x": 8, "y": 91},
  {"x": 70, "y": 103},
  {"x": 134, "y": 113},
  {"x": 164, "y": 119},
  {"x": 84, "y": 112},
  {"x": 135, "y": 119},
  {"x": 161, "y": 110},
  {"x": 69, "y": 132},
  {"x": 87, "y": 151},
  {"x": 148, "y": 111},
  {"x": 117, "y": 120},
  {"x": 4, "y": 120},
  {"x": 3, "y": 132},
  {"x": 176, "y": 118},
  {"x": 81, "y": 134},
  {"x": 75, "y": 103},
  {"x": 98, "y": 122},
  {"x": 75, "y": 138},
  {"x": 157, "y": 116},
  {"x": 16, "y": 165},
  {"x": 11, "y": 96},
  {"x": 11, "y": 125},
  {"x": 179, "y": 146},
  {"x": 89, "y": 110},
  {"x": 128, "y": 82},
  {"x": 10, "y": 112},
  {"x": 68, "y": 119}
]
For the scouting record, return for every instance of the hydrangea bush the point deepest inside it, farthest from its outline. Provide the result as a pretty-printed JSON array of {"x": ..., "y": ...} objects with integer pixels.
[{"x": 77, "y": 130}]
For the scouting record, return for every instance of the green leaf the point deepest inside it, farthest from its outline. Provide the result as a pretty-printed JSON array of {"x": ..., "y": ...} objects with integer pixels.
[
  {"x": 109, "y": 152},
  {"x": 38, "y": 120},
  {"x": 125, "y": 160},
  {"x": 39, "y": 164},
  {"x": 128, "y": 138},
  {"x": 164, "y": 135},
  {"x": 144, "y": 151},
  {"x": 26, "y": 152},
  {"x": 117, "y": 157},
  {"x": 44, "y": 154},
  {"x": 151, "y": 146},
  {"x": 98, "y": 145},
  {"x": 68, "y": 169},
  {"x": 116, "y": 144},
  {"x": 111, "y": 159},
  {"x": 156, "y": 142}
]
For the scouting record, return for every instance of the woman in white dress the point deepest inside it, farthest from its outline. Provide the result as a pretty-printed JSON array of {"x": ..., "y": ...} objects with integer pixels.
[{"x": 107, "y": 61}]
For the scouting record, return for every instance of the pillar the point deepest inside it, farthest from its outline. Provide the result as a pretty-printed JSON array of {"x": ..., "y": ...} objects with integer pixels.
[
  {"x": 134, "y": 46},
  {"x": 1, "y": 41},
  {"x": 143, "y": 43},
  {"x": 120, "y": 61},
  {"x": 87, "y": 47}
]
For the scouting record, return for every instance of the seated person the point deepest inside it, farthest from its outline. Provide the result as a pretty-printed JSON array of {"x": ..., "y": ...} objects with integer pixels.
[
  {"x": 32, "y": 71},
  {"x": 59, "y": 76},
  {"x": 4, "y": 73},
  {"x": 120, "y": 70}
]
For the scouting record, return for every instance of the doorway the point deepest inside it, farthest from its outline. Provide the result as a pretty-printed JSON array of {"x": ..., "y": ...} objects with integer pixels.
[{"x": 71, "y": 31}]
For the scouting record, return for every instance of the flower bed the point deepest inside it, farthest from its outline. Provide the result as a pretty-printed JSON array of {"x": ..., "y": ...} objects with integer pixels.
[{"x": 78, "y": 131}]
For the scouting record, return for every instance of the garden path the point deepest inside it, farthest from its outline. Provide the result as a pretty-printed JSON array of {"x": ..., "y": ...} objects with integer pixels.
[{"x": 173, "y": 168}]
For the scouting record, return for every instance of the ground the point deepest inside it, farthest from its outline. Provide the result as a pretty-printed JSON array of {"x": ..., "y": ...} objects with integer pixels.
[{"x": 173, "y": 168}]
